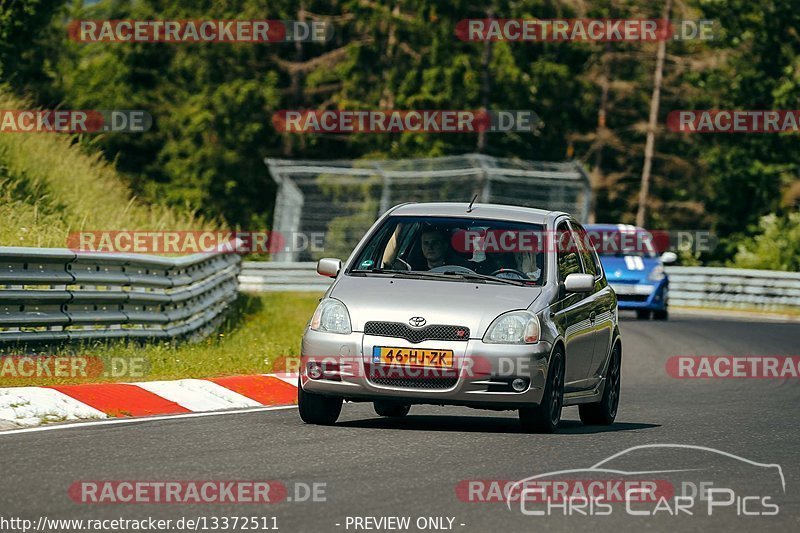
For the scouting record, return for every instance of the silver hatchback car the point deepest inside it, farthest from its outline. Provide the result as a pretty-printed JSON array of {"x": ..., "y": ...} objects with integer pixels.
[{"x": 486, "y": 306}]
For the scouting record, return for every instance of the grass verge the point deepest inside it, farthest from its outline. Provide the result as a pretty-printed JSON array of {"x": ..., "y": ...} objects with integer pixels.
[
  {"x": 259, "y": 330},
  {"x": 50, "y": 187}
]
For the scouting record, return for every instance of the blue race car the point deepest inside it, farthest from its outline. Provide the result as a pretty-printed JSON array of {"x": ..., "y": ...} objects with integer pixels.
[{"x": 633, "y": 267}]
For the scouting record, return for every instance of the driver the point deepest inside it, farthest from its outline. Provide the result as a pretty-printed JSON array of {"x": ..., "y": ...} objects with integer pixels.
[{"x": 436, "y": 250}]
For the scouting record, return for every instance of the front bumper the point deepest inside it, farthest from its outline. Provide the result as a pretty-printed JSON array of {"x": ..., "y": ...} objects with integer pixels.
[
  {"x": 649, "y": 296},
  {"x": 480, "y": 376}
]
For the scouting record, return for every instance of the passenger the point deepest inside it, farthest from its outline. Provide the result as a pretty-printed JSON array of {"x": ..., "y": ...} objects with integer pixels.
[{"x": 531, "y": 264}]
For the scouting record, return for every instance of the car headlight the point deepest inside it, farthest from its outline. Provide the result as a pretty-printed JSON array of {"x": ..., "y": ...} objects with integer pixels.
[
  {"x": 516, "y": 327},
  {"x": 331, "y": 316},
  {"x": 657, "y": 274}
]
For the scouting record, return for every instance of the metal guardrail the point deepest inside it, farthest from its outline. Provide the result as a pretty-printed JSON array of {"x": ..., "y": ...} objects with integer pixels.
[
  {"x": 733, "y": 288},
  {"x": 257, "y": 276},
  {"x": 55, "y": 295}
]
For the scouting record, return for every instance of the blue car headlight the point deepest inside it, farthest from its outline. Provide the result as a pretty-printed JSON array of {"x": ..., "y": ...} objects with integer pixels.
[{"x": 657, "y": 274}]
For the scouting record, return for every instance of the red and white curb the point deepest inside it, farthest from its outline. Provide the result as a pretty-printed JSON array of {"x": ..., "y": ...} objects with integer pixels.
[{"x": 33, "y": 406}]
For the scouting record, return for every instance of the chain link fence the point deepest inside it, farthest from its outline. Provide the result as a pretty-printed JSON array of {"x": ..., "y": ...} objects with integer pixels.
[{"x": 342, "y": 198}]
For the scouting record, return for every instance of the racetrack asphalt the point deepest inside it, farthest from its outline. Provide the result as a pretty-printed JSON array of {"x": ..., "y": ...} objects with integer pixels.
[{"x": 374, "y": 467}]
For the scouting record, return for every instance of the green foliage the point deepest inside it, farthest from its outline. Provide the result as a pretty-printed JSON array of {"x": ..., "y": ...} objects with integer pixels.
[
  {"x": 49, "y": 187},
  {"x": 27, "y": 52},
  {"x": 776, "y": 246},
  {"x": 213, "y": 103}
]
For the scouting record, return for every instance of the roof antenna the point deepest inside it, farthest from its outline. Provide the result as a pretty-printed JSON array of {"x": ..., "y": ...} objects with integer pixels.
[{"x": 469, "y": 209}]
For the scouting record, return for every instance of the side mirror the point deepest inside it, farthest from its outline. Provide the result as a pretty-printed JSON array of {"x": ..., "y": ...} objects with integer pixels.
[
  {"x": 579, "y": 283},
  {"x": 329, "y": 267},
  {"x": 669, "y": 257}
]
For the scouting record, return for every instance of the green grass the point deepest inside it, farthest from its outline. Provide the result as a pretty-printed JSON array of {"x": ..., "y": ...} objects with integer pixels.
[
  {"x": 50, "y": 187},
  {"x": 259, "y": 330}
]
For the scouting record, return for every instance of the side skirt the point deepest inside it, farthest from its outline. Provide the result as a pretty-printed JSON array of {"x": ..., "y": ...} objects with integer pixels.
[{"x": 587, "y": 396}]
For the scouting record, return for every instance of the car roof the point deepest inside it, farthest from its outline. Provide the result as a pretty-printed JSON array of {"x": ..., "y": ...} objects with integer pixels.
[
  {"x": 612, "y": 227},
  {"x": 488, "y": 211}
]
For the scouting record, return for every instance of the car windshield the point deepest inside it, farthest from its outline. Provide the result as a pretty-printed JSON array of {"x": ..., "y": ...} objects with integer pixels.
[
  {"x": 638, "y": 243},
  {"x": 455, "y": 249}
]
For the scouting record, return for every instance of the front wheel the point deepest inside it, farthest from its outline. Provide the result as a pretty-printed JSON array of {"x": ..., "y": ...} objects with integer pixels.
[
  {"x": 545, "y": 417},
  {"x": 661, "y": 314},
  {"x": 643, "y": 314},
  {"x": 391, "y": 409},
  {"x": 318, "y": 409},
  {"x": 604, "y": 412}
]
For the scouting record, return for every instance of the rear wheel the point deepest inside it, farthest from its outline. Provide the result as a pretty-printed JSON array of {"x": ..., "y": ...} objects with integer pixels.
[
  {"x": 643, "y": 314},
  {"x": 545, "y": 417},
  {"x": 604, "y": 412},
  {"x": 391, "y": 409},
  {"x": 318, "y": 409}
]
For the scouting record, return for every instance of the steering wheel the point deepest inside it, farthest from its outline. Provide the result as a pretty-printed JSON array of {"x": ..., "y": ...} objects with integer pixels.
[
  {"x": 517, "y": 274},
  {"x": 403, "y": 263}
]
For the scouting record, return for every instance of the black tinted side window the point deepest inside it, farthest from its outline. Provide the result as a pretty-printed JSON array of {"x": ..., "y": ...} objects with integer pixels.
[
  {"x": 568, "y": 259},
  {"x": 590, "y": 260}
]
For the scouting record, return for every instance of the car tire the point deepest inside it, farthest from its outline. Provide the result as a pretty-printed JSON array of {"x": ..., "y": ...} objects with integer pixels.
[
  {"x": 318, "y": 409},
  {"x": 604, "y": 412},
  {"x": 643, "y": 314},
  {"x": 661, "y": 314},
  {"x": 545, "y": 417},
  {"x": 391, "y": 409}
]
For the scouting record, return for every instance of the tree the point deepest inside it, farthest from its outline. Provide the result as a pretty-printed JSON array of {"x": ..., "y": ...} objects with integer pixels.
[
  {"x": 28, "y": 45},
  {"x": 776, "y": 246},
  {"x": 655, "y": 100}
]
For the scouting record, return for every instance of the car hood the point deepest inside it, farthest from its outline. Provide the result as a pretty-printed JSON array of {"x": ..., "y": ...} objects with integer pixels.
[
  {"x": 628, "y": 269},
  {"x": 473, "y": 305}
]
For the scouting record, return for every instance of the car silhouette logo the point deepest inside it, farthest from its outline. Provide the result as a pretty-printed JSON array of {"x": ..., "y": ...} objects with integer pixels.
[
  {"x": 604, "y": 468},
  {"x": 416, "y": 321}
]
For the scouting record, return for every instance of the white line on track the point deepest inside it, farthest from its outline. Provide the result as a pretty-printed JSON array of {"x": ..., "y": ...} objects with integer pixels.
[{"x": 115, "y": 421}]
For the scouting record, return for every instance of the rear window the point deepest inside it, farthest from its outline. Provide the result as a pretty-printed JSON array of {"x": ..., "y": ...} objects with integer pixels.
[{"x": 615, "y": 243}]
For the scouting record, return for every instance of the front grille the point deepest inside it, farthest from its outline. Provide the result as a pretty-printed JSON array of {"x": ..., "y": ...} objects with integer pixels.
[
  {"x": 434, "y": 332},
  {"x": 632, "y": 297},
  {"x": 417, "y": 383}
]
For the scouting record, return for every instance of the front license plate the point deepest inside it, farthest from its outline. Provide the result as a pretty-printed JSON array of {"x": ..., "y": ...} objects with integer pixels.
[{"x": 412, "y": 357}]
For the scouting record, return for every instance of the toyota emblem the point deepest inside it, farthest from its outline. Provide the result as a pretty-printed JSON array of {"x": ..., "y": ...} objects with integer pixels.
[{"x": 416, "y": 321}]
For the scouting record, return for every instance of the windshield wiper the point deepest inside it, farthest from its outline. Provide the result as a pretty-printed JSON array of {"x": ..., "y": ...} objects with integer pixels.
[
  {"x": 474, "y": 276},
  {"x": 387, "y": 271},
  {"x": 415, "y": 274},
  {"x": 447, "y": 275}
]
